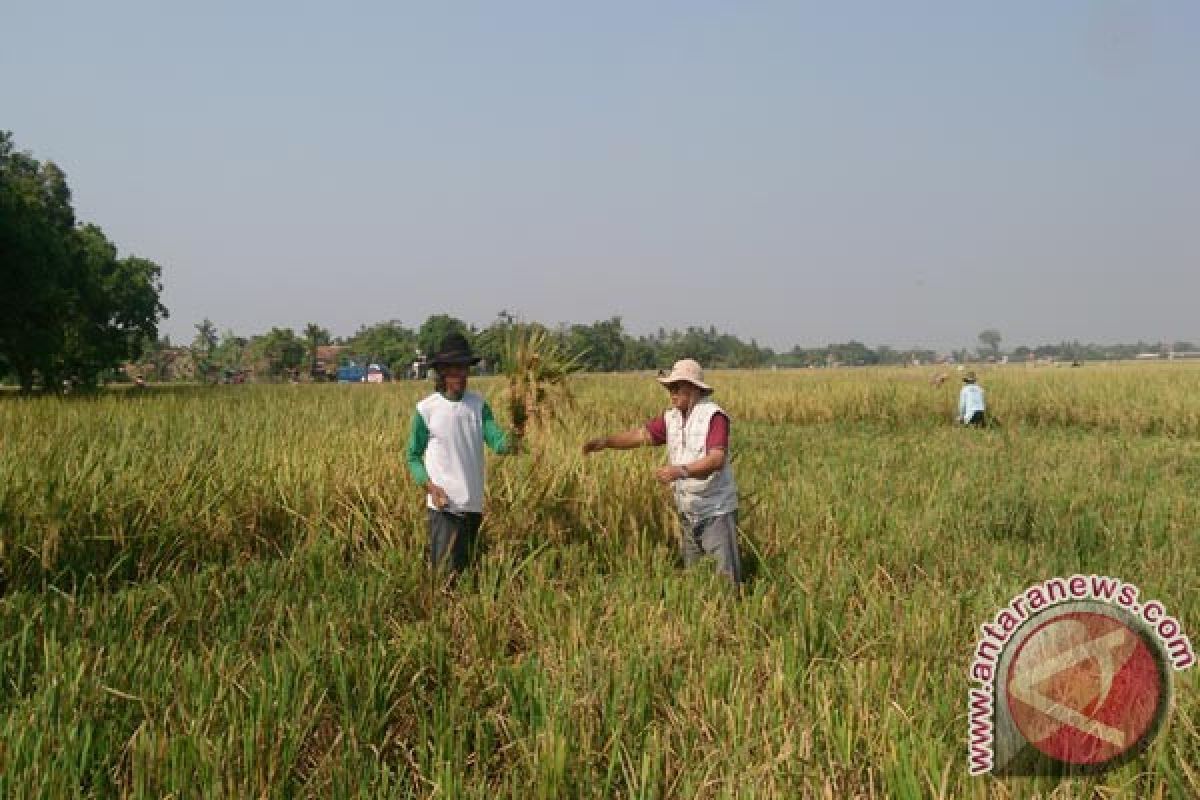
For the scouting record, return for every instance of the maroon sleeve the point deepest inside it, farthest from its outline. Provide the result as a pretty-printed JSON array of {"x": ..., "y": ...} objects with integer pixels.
[
  {"x": 657, "y": 428},
  {"x": 718, "y": 433}
]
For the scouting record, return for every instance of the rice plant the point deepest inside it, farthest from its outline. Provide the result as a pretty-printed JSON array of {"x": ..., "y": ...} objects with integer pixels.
[
  {"x": 222, "y": 592},
  {"x": 536, "y": 369}
]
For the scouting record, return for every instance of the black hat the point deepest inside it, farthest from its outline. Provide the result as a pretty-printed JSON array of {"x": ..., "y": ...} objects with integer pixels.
[{"x": 454, "y": 350}]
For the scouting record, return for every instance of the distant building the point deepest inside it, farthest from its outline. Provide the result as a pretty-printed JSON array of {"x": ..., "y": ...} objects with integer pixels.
[
  {"x": 167, "y": 364},
  {"x": 1147, "y": 356},
  {"x": 328, "y": 356},
  {"x": 1182, "y": 354}
]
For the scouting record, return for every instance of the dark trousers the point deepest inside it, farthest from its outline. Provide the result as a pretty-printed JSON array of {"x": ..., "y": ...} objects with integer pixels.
[
  {"x": 453, "y": 539},
  {"x": 978, "y": 419}
]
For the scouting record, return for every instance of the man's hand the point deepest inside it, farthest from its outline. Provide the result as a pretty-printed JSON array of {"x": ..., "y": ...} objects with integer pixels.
[
  {"x": 668, "y": 474},
  {"x": 438, "y": 495}
]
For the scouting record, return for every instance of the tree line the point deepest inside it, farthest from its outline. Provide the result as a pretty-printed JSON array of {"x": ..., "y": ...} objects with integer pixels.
[
  {"x": 601, "y": 346},
  {"x": 280, "y": 353}
]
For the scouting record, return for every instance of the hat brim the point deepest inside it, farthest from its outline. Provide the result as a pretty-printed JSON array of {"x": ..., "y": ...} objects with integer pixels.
[
  {"x": 455, "y": 361},
  {"x": 667, "y": 381}
]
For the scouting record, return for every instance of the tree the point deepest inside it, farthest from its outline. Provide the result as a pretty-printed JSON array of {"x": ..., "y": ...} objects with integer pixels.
[
  {"x": 314, "y": 336},
  {"x": 991, "y": 340},
  {"x": 36, "y": 222},
  {"x": 640, "y": 353},
  {"x": 116, "y": 309},
  {"x": 389, "y": 343},
  {"x": 853, "y": 353},
  {"x": 206, "y": 336},
  {"x": 203, "y": 346},
  {"x": 600, "y": 346},
  {"x": 491, "y": 342},
  {"x": 437, "y": 328},
  {"x": 277, "y": 352},
  {"x": 70, "y": 307},
  {"x": 229, "y": 352}
]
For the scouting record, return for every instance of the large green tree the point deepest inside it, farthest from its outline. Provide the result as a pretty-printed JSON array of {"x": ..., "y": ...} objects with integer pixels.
[
  {"x": 69, "y": 307},
  {"x": 116, "y": 306},
  {"x": 389, "y": 343},
  {"x": 277, "y": 352}
]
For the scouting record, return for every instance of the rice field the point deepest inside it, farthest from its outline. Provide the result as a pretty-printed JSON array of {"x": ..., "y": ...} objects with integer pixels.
[{"x": 222, "y": 592}]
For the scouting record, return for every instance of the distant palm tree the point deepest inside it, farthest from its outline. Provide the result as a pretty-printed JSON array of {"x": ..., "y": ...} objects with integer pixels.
[{"x": 202, "y": 348}]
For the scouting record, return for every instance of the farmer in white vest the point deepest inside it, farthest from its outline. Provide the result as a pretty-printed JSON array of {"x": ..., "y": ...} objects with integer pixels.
[
  {"x": 445, "y": 455},
  {"x": 696, "y": 433}
]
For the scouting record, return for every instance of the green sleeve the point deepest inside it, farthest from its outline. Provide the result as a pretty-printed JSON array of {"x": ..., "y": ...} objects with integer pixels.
[
  {"x": 418, "y": 439},
  {"x": 493, "y": 434}
]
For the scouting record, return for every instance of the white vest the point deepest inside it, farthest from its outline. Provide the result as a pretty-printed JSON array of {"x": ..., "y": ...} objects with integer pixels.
[
  {"x": 970, "y": 400},
  {"x": 698, "y": 498},
  {"x": 454, "y": 456}
]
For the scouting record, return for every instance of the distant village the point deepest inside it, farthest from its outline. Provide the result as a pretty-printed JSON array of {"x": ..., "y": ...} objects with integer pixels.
[{"x": 333, "y": 363}]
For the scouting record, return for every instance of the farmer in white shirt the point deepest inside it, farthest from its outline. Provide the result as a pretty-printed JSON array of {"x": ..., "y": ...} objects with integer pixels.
[
  {"x": 971, "y": 407},
  {"x": 445, "y": 454},
  {"x": 696, "y": 433}
]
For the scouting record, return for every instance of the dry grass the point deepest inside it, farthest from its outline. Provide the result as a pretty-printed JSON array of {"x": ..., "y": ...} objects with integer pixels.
[{"x": 222, "y": 593}]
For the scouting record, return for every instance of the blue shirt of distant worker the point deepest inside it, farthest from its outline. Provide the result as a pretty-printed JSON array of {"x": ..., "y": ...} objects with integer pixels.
[{"x": 972, "y": 410}]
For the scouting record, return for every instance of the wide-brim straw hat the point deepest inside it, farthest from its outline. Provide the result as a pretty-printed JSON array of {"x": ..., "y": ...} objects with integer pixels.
[
  {"x": 687, "y": 370},
  {"x": 969, "y": 377},
  {"x": 455, "y": 350}
]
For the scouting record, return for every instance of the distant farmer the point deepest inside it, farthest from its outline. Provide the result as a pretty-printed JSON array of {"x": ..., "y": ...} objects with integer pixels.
[
  {"x": 971, "y": 408},
  {"x": 696, "y": 433},
  {"x": 445, "y": 455}
]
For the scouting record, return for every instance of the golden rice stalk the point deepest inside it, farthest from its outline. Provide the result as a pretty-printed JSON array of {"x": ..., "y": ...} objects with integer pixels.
[{"x": 536, "y": 368}]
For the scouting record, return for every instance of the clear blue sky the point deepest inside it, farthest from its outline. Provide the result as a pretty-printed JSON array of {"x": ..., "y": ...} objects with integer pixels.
[{"x": 902, "y": 173}]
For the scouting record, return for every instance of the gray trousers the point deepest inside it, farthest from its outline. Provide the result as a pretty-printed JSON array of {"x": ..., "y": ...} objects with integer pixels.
[
  {"x": 713, "y": 536},
  {"x": 453, "y": 538}
]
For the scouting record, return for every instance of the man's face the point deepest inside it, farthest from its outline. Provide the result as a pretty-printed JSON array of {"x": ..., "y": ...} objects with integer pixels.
[
  {"x": 683, "y": 395},
  {"x": 455, "y": 376}
]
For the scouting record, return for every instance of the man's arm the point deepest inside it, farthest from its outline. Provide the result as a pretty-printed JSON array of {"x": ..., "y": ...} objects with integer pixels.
[
  {"x": 625, "y": 440},
  {"x": 418, "y": 440},
  {"x": 495, "y": 437}
]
